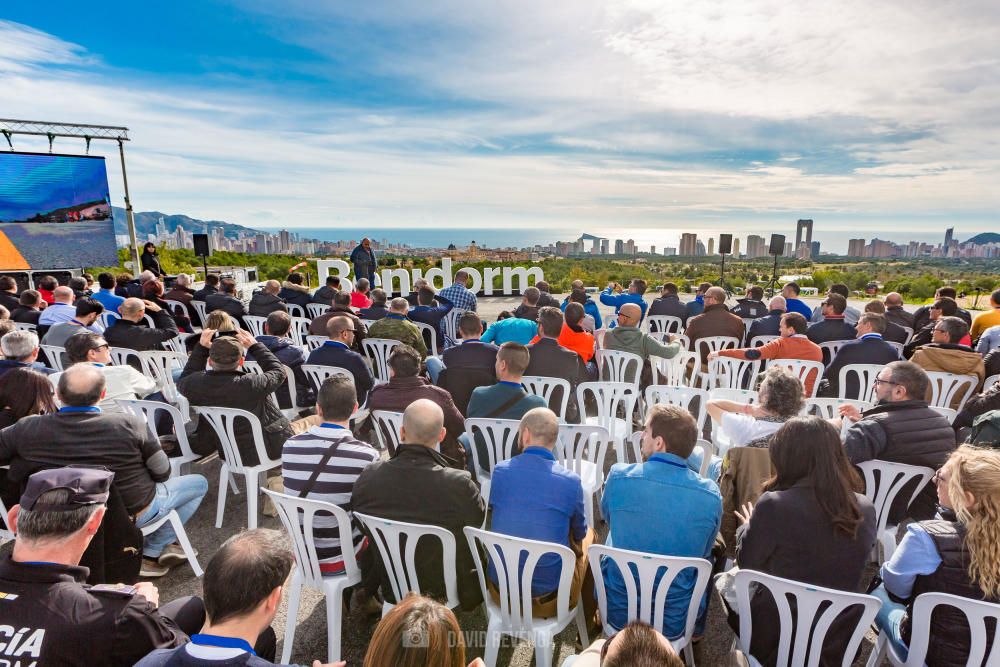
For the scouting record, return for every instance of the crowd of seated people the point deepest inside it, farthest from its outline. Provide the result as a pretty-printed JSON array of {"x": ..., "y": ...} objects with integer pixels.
[{"x": 785, "y": 499}]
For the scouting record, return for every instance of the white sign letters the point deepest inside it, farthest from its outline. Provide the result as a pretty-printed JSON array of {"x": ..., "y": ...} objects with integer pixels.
[{"x": 401, "y": 280}]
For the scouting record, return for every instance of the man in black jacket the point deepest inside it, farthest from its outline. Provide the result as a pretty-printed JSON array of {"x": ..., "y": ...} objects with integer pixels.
[
  {"x": 832, "y": 326},
  {"x": 276, "y": 340},
  {"x": 29, "y": 309},
  {"x": 341, "y": 307},
  {"x": 225, "y": 300},
  {"x": 80, "y": 434},
  {"x": 227, "y": 385},
  {"x": 377, "y": 310},
  {"x": 416, "y": 485},
  {"x": 131, "y": 331},
  {"x": 922, "y": 315},
  {"x": 8, "y": 293},
  {"x": 752, "y": 305},
  {"x": 894, "y": 333},
  {"x": 869, "y": 348},
  {"x": 469, "y": 364},
  {"x": 545, "y": 297},
  {"x": 529, "y": 307},
  {"x": 337, "y": 352},
  {"x": 901, "y": 428},
  {"x": 266, "y": 301},
  {"x": 211, "y": 287},
  {"x": 770, "y": 324},
  {"x": 549, "y": 359},
  {"x": 895, "y": 312},
  {"x": 326, "y": 293},
  {"x": 669, "y": 303}
]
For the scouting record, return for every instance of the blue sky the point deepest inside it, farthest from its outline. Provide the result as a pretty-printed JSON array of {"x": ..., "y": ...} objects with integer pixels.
[{"x": 659, "y": 114}]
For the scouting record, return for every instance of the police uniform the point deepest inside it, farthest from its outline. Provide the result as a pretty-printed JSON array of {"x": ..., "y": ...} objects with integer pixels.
[{"x": 49, "y": 616}]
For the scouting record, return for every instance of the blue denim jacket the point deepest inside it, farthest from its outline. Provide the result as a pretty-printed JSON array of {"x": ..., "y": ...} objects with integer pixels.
[{"x": 659, "y": 507}]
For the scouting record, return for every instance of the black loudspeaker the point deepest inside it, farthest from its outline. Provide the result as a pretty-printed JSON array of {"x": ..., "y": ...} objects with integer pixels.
[
  {"x": 725, "y": 244},
  {"x": 777, "y": 244},
  {"x": 201, "y": 245}
]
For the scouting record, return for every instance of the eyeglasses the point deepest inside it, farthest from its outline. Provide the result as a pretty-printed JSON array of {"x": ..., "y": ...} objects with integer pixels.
[{"x": 879, "y": 381}]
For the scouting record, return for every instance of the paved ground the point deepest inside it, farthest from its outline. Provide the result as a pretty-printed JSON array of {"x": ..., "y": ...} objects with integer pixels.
[{"x": 310, "y": 636}]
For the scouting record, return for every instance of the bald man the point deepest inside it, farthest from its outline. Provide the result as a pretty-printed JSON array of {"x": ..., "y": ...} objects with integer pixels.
[
  {"x": 80, "y": 434},
  {"x": 895, "y": 312},
  {"x": 770, "y": 324},
  {"x": 614, "y": 296},
  {"x": 715, "y": 320},
  {"x": 61, "y": 310},
  {"x": 267, "y": 301},
  {"x": 627, "y": 337},
  {"x": 132, "y": 331},
  {"x": 416, "y": 485}
]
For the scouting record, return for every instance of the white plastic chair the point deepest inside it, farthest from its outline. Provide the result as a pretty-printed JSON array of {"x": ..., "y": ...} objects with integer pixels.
[
  {"x": 201, "y": 309},
  {"x": 731, "y": 373},
  {"x": 757, "y": 341},
  {"x": 976, "y": 613},
  {"x": 990, "y": 381},
  {"x": 684, "y": 397},
  {"x": 177, "y": 344},
  {"x": 832, "y": 347},
  {"x": 299, "y": 330},
  {"x": 866, "y": 375},
  {"x": 120, "y": 356},
  {"x": 223, "y": 421},
  {"x": 582, "y": 449},
  {"x": 25, "y": 326},
  {"x": 946, "y": 388},
  {"x": 378, "y": 350},
  {"x": 315, "y": 342},
  {"x": 314, "y": 310},
  {"x": 599, "y": 337},
  {"x": 684, "y": 340},
  {"x": 450, "y": 324},
  {"x": 397, "y": 544},
  {"x": 513, "y": 615},
  {"x": 610, "y": 396},
  {"x": 664, "y": 324},
  {"x": 174, "y": 306},
  {"x": 290, "y": 412},
  {"x": 297, "y": 515},
  {"x": 681, "y": 370},
  {"x": 499, "y": 436},
  {"x": 295, "y": 310},
  {"x": 430, "y": 337},
  {"x": 947, "y": 413},
  {"x": 255, "y": 324},
  {"x": 896, "y": 346},
  {"x": 802, "y": 370},
  {"x": 318, "y": 372},
  {"x": 54, "y": 355},
  {"x": 807, "y": 648},
  {"x": 909, "y": 334},
  {"x": 150, "y": 410},
  {"x": 174, "y": 520},
  {"x": 647, "y": 596},
  {"x": 704, "y": 346},
  {"x": 619, "y": 366},
  {"x": 883, "y": 482},
  {"x": 6, "y": 534},
  {"x": 545, "y": 387},
  {"x": 108, "y": 318},
  {"x": 161, "y": 365},
  {"x": 386, "y": 426}
]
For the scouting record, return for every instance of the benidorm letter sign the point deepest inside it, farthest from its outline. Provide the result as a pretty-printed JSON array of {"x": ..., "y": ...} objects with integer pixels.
[{"x": 441, "y": 277}]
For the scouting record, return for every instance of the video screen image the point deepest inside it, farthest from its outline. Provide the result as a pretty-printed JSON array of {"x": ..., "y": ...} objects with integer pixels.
[{"x": 55, "y": 212}]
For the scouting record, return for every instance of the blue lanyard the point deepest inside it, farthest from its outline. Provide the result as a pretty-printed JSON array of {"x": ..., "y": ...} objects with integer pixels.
[
  {"x": 84, "y": 408},
  {"x": 510, "y": 384},
  {"x": 223, "y": 642},
  {"x": 329, "y": 425}
]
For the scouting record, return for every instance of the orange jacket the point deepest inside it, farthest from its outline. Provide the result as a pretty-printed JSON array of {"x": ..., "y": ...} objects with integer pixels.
[
  {"x": 793, "y": 347},
  {"x": 582, "y": 343}
]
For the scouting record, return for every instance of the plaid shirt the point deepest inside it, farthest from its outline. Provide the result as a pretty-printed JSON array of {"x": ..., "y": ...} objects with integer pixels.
[{"x": 459, "y": 296}]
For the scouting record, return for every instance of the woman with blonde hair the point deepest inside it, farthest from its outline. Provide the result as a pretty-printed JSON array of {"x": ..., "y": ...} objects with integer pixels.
[
  {"x": 418, "y": 632},
  {"x": 221, "y": 321},
  {"x": 958, "y": 553}
]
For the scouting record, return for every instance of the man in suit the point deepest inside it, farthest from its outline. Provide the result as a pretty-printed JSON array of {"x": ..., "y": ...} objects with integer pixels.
[
  {"x": 550, "y": 359},
  {"x": 337, "y": 352},
  {"x": 469, "y": 364},
  {"x": 869, "y": 348},
  {"x": 770, "y": 324},
  {"x": 225, "y": 300},
  {"x": 832, "y": 326}
]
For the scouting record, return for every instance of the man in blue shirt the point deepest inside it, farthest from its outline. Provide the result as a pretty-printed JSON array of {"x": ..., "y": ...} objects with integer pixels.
[
  {"x": 337, "y": 352},
  {"x": 635, "y": 503},
  {"x": 634, "y": 295},
  {"x": 62, "y": 310},
  {"x": 458, "y": 294},
  {"x": 792, "y": 302},
  {"x": 534, "y": 497},
  {"x": 509, "y": 329},
  {"x": 696, "y": 306},
  {"x": 106, "y": 295}
]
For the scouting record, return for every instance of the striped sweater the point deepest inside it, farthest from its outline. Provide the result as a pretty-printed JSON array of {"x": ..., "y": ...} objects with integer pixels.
[{"x": 300, "y": 457}]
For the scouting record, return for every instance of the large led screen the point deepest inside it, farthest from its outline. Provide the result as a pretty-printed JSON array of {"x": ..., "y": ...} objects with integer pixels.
[{"x": 55, "y": 212}]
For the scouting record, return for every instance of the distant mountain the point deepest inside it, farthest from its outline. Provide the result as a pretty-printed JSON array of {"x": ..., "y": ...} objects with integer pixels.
[
  {"x": 145, "y": 224},
  {"x": 984, "y": 238}
]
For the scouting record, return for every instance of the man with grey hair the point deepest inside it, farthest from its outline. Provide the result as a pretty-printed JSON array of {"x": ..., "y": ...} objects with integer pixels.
[
  {"x": 534, "y": 497},
  {"x": 20, "y": 350},
  {"x": 396, "y": 326},
  {"x": 417, "y": 486},
  {"x": 715, "y": 320},
  {"x": 266, "y": 301},
  {"x": 947, "y": 355},
  {"x": 80, "y": 433},
  {"x": 901, "y": 428},
  {"x": 123, "y": 383},
  {"x": 61, "y": 310},
  {"x": 770, "y": 324},
  {"x": 377, "y": 310},
  {"x": 182, "y": 292},
  {"x": 895, "y": 312},
  {"x": 360, "y": 295},
  {"x": 64, "y": 620}
]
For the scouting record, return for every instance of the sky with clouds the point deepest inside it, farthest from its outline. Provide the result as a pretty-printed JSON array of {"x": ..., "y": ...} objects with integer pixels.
[{"x": 870, "y": 118}]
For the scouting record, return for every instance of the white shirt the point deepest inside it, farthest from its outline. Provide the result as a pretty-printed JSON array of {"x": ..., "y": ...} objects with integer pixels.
[
  {"x": 123, "y": 383},
  {"x": 744, "y": 429}
]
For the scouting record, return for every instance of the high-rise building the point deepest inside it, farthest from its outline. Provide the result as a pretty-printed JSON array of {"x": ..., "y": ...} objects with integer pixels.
[
  {"x": 802, "y": 252},
  {"x": 652, "y": 250},
  {"x": 948, "y": 235},
  {"x": 756, "y": 246},
  {"x": 699, "y": 248},
  {"x": 736, "y": 247},
  {"x": 604, "y": 246},
  {"x": 670, "y": 252},
  {"x": 688, "y": 245},
  {"x": 856, "y": 248},
  {"x": 630, "y": 248},
  {"x": 788, "y": 249},
  {"x": 801, "y": 225},
  {"x": 814, "y": 250},
  {"x": 619, "y": 247},
  {"x": 711, "y": 246}
]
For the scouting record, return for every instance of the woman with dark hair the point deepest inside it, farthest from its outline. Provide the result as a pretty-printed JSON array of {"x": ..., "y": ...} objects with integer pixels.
[
  {"x": 810, "y": 525},
  {"x": 24, "y": 392},
  {"x": 122, "y": 281},
  {"x": 150, "y": 261},
  {"x": 152, "y": 290}
]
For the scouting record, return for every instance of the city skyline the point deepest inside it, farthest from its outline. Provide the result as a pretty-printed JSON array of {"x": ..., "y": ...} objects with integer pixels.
[{"x": 696, "y": 116}]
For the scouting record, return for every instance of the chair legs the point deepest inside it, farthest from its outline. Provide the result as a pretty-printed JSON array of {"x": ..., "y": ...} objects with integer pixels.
[
  {"x": 223, "y": 488},
  {"x": 182, "y": 539},
  {"x": 878, "y": 651},
  {"x": 543, "y": 649},
  {"x": 253, "y": 494},
  {"x": 291, "y": 617},
  {"x": 492, "y": 644},
  {"x": 581, "y": 626},
  {"x": 334, "y": 618}
]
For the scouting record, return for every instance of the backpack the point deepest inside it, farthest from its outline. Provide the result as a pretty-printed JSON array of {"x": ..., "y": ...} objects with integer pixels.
[{"x": 986, "y": 430}]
